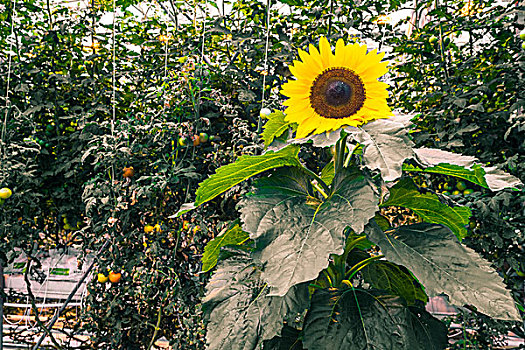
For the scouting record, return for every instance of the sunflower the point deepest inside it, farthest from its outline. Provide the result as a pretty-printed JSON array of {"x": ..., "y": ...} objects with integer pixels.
[{"x": 331, "y": 91}]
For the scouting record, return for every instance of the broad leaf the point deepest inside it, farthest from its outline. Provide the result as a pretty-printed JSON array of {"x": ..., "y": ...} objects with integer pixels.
[
  {"x": 295, "y": 231},
  {"x": 476, "y": 175},
  {"x": 232, "y": 236},
  {"x": 356, "y": 319},
  {"x": 396, "y": 280},
  {"x": 328, "y": 173},
  {"x": 386, "y": 146},
  {"x": 274, "y": 127},
  {"x": 428, "y": 207},
  {"x": 289, "y": 340},
  {"x": 245, "y": 167},
  {"x": 326, "y": 139},
  {"x": 443, "y": 265},
  {"x": 495, "y": 179},
  {"x": 240, "y": 314}
]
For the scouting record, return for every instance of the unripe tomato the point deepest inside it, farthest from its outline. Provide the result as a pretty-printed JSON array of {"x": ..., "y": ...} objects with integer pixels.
[
  {"x": 456, "y": 192},
  {"x": 468, "y": 192},
  {"x": 203, "y": 137},
  {"x": 183, "y": 141},
  {"x": 432, "y": 39},
  {"x": 522, "y": 35},
  {"x": 523, "y": 46},
  {"x": 114, "y": 277},
  {"x": 462, "y": 186},
  {"x": 5, "y": 193},
  {"x": 102, "y": 278}
]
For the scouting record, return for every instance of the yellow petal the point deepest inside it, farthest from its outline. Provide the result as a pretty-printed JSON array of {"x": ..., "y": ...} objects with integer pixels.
[
  {"x": 302, "y": 71},
  {"x": 316, "y": 57},
  {"x": 326, "y": 53},
  {"x": 294, "y": 88},
  {"x": 340, "y": 53}
]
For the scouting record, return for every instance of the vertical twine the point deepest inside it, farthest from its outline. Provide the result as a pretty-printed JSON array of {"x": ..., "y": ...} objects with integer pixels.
[{"x": 265, "y": 71}]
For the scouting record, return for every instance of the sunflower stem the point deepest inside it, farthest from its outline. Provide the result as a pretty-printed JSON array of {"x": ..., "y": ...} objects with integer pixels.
[
  {"x": 318, "y": 180},
  {"x": 340, "y": 149},
  {"x": 318, "y": 188}
]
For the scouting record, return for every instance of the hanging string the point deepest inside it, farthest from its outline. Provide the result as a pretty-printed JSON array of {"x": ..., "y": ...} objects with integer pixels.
[
  {"x": 4, "y": 126},
  {"x": 265, "y": 70},
  {"x": 113, "y": 110}
]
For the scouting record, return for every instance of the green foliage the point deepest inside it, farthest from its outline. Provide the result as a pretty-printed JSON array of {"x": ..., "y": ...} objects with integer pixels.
[
  {"x": 232, "y": 236},
  {"x": 244, "y": 168},
  {"x": 274, "y": 127},
  {"x": 386, "y": 146},
  {"x": 241, "y": 311},
  {"x": 358, "y": 319},
  {"x": 291, "y": 225},
  {"x": 395, "y": 279},
  {"x": 428, "y": 207},
  {"x": 442, "y": 265}
]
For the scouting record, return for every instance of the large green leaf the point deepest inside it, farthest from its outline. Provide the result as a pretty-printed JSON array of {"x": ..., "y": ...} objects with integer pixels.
[
  {"x": 289, "y": 340},
  {"x": 448, "y": 163},
  {"x": 386, "y": 146},
  {"x": 240, "y": 313},
  {"x": 428, "y": 207},
  {"x": 232, "y": 236},
  {"x": 443, "y": 265},
  {"x": 396, "y": 280},
  {"x": 295, "y": 231},
  {"x": 356, "y": 319},
  {"x": 274, "y": 127},
  {"x": 245, "y": 167}
]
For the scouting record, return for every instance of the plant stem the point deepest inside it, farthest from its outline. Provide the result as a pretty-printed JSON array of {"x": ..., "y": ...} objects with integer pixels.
[
  {"x": 157, "y": 327},
  {"x": 318, "y": 179},
  {"x": 340, "y": 149},
  {"x": 355, "y": 269}
]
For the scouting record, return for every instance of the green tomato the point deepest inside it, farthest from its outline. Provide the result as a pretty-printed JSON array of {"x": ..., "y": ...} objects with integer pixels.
[
  {"x": 523, "y": 46},
  {"x": 432, "y": 39},
  {"x": 446, "y": 193},
  {"x": 50, "y": 127},
  {"x": 183, "y": 141},
  {"x": 447, "y": 186},
  {"x": 456, "y": 192},
  {"x": 468, "y": 192},
  {"x": 522, "y": 35},
  {"x": 203, "y": 137},
  {"x": 41, "y": 142},
  {"x": 462, "y": 186}
]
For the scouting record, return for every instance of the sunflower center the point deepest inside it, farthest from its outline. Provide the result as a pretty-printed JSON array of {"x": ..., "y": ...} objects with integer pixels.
[{"x": 337, "y": 93}]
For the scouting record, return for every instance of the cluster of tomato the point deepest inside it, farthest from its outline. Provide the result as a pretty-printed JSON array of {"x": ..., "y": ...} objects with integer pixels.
[
  {"x": 113, "y": 277},
  {"x": 4, "y": 194},
  {"x": 196, "y": 139},
  {"x": 522, "y": 37}
]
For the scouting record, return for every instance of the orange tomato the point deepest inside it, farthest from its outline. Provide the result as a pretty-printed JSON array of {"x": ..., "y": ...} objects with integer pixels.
[
  {"x": 128, "y": 172},
  {"x": 114, "y": 277}
]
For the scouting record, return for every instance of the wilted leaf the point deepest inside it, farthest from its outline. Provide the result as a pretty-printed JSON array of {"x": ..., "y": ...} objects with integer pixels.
[
  {"x": 356, "y": 319},
  {"x": 443, "y": 265},
  {"x": 245, "y": 167},
  {"x": 386, "y": 146},
  {"x": 233, "y": 236},
  {"x": 239, "y": 312},
  {"x": 428, "y": 207},
  {"x": 295, "y": 231}
]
